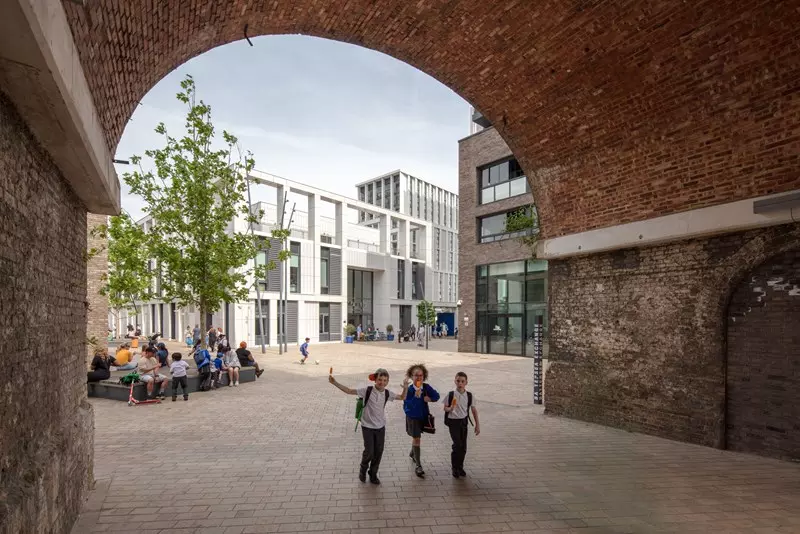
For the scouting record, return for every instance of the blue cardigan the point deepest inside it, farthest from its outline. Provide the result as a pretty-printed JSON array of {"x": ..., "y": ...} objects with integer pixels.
[{"x": 416, "y": 408}]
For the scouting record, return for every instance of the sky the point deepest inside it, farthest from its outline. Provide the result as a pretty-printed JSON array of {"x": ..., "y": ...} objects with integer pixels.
[{"x": 315, "y": 111}]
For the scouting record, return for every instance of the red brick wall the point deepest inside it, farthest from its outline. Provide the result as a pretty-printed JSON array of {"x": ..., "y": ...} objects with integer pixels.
[
  {"x": 763, "y": 365},
  {"x": 637, "y": 336},
  {"x": 618, "y": 111}
]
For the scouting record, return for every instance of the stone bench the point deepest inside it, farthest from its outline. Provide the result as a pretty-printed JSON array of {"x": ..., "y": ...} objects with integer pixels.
[{"x": 112, "y": 389}]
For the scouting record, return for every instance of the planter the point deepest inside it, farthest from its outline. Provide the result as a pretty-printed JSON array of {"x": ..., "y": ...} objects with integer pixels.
[
  {"x": 389, "y": 337},
  {"x": 348, "y": 339}
]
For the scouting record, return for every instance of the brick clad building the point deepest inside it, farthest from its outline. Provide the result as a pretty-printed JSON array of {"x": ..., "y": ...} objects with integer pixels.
[{"x": 647, "y": 132}]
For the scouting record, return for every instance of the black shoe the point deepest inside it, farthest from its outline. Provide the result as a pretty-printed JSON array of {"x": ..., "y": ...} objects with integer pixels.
[
  {"x": 455, "y": 473},
  {"x": 362, "y": 476},
  {"x": 186, "y": 397},
  {"x": 419, "y": 472},
  {"x": 462, "y": 473},
  {"x": 374, "y": 480},
  {"x": 174, "y": 399},
  {"x": 259, "y": 373}
]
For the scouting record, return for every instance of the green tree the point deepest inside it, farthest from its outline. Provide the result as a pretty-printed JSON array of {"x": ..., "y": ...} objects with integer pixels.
[
  {"x": 525, "y": 223},
  {"x": 129, "y": 280},
  {"x": 426, "y": 317},
  {"x": 194, "y": 194}
]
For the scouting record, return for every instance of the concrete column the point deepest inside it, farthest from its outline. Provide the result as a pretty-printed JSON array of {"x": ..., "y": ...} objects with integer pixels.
[
  {"x": 339, "y": 240},
  {"x": 385, "y": 229},
  {"x": 314, "y": 223}
]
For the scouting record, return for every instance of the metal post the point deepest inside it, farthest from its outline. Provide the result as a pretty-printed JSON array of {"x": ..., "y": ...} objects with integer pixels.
[
  {"x": 282, "y": 272},
  {"x": 538, "y": 335},
  {"x": 286, "y": 277},
  {"x": 259, "y": 311}
]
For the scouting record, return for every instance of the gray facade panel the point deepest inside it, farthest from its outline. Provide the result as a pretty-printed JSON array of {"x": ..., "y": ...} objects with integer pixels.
[
  {"x": 291, "y": 322},
  {"x": 336, "y": 322},
  {"x": 335, "y": 282}
]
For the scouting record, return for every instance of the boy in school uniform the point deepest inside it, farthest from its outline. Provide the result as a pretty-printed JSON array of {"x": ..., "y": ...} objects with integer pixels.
[
  {"x": 457, "y": 405},
  {"x": 304, "y": 351},
  {"x": 373, "y": 420}
]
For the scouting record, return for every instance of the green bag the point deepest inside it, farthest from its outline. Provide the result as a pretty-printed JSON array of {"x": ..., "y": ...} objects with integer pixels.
[
  {"x": 359, "y": 411},
  {"x": 129, "y": 379}
]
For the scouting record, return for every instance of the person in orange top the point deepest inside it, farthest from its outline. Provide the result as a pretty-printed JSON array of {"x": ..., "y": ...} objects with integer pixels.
[{"x": 123, "y": 359}]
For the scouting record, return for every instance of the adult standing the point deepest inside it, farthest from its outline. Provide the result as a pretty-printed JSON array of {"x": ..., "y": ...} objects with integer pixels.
[
  {"x": 212, "y": 338},
  {"x": 196, "y": 334},
  {"x": 100, "y": 366}
]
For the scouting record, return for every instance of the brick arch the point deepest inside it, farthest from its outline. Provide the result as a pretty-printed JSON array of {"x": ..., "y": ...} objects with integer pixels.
[
  {"x": 762, "y": 410},
  {"x": 618, "y": 111}
]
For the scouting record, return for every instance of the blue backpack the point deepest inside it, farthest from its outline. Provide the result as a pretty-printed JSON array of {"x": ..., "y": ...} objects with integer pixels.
[{"x": 202, "y": 358}]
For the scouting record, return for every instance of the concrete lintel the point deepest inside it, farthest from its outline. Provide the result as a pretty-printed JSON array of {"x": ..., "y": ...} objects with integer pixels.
[
  {"x": 723, "y": 218},
  {"x": 41, "y": 73}
]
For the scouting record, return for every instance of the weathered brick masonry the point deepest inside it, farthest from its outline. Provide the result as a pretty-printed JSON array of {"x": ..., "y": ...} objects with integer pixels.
[
  {"x": 96, "y": 268},
  {"x": 638, "y": 336},
  {"x": 618, "y": 111},
  {"x": 763, "y": 364},
  {"x": 46, "y": 425}
]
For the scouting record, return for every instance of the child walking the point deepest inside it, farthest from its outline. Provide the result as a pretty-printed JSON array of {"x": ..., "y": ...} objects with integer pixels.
[
  {"x": 373, "y": 420},
  {"x": 457, "y": 405},
  {"x": 418, "y": 395},
  {"x": 178, "y": 369}
]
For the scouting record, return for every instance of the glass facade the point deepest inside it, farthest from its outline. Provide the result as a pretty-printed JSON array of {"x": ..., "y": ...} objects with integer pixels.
[
  {"x": 493, "y": 227},
  {"x": 324, "y": 321},
  {"x": 509, "y": 297},
  {"x": 502, "y": 180},
  {"x": 257, "y": 321},
  {"x": 359, "y": 297}
]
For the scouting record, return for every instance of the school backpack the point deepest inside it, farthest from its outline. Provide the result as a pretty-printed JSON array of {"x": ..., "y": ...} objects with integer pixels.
[
  {"x": 202, "y": 358},
  {"x": 450, "y": 403},
  {"x": 360, "y": 403}
]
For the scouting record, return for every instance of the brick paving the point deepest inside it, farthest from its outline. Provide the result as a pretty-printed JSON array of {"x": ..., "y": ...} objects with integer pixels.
[{"x": 280, "y": 455}]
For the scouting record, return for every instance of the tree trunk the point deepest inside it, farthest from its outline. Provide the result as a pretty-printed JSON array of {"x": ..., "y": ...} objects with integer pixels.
[{"x": 203, "y": 326}]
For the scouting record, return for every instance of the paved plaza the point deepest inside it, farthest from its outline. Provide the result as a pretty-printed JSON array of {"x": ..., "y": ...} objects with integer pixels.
[{"x": 280, "y": 455}]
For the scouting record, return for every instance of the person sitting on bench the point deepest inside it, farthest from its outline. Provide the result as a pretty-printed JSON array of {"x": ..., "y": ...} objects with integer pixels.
[{"x": 148, "y": 372}]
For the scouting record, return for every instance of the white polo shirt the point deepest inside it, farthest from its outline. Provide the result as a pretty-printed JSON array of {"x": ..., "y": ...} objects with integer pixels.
[
  {"x": 462, "y": 399},
  {"x": 374, "y": 415}
]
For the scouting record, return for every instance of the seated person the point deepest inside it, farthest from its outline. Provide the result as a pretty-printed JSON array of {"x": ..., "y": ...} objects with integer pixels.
[
  {"x": 163, "y": 355},
  {"x": 100, "y": 364},
  {"x": 246, "y": 358},
  {"x": 123, "y": 359},
  {"x": 230, "y": 363},
  {"x": 148, "y": 372}
]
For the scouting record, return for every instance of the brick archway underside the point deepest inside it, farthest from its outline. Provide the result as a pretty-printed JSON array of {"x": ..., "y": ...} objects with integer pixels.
[{"x": 618, "y": 111}]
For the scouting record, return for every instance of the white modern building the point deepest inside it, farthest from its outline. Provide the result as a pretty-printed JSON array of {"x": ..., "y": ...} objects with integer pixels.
[
  {"x": 340, "y": 271},
  {"x": 402, "y": 193}
]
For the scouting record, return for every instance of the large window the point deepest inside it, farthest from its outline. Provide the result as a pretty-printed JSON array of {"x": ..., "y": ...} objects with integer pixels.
[
  {"x": 502, "y": 180},
  {"x": 510, "y": 297},
  {"x": 294, "y": 268},
  {"x": 359, "y": 297},
  {"x": 401, "y": 279},
  {"x": 494, "y": 228},
  {"x": 417, "y": 281},
  {"x": 324, "y": 270}
]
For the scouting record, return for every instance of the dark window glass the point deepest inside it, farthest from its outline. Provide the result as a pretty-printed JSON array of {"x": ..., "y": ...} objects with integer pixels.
[
  {"x": 294, "y": 268},
  {"x": 324, "y": 318},
  {"x": 324, "y": 270}
]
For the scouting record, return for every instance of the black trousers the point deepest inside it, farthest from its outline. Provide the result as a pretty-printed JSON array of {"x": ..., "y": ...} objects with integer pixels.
[
  {"x": 182, "y": 381},
  {"x": 374, "y": 440},
  {"x": 458, "y": 433}
]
